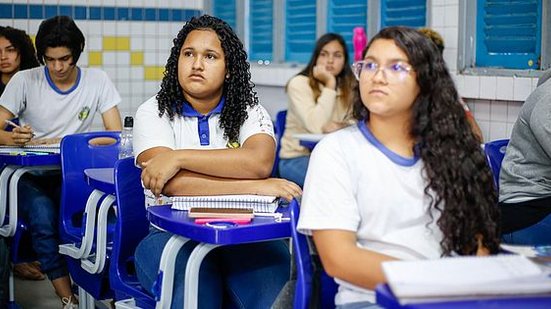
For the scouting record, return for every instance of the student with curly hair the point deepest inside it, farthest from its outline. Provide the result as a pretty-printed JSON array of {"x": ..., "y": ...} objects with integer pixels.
[
  {"x": 437, "y": 39},
  {"x": 16, "y": 53},
  {"x": 320, "y": 101},
  {"x": 408, "y": 182},
  {"x": 204, "y": 133},
  {"x": 52, "y": 101}
]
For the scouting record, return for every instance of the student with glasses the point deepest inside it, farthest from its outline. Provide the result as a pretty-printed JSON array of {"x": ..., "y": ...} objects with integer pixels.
[
  {"x": 320, "y": 101},
  {"x": 407, "y": 182}
]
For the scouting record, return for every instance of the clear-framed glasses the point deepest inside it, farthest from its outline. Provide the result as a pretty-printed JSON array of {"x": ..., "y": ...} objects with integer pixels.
[{"x": 393, "y": 72}]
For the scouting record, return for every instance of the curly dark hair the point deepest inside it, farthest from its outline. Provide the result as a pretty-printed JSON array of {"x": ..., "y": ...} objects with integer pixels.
[
  {"x": 59, "y": 31},
  {"x": 238, "y": 88},
  {"x": 459, "y": 181},
  {"x": 23, "y": 44}
]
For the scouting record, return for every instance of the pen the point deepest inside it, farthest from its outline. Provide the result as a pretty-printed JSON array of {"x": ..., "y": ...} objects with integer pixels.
[
  {"x": 11, "y": 123},
  {"x": 15, "y": 125}
]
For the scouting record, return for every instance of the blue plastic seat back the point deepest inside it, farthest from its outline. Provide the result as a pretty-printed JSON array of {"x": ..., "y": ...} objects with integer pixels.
[
  {"x": 495, "y": 151},
  {"x": 77, "y": 154},
  {"x": 132, "y": 226},
  {"x": 279, "y": 128},
  {"x": 305, "y": 267}
]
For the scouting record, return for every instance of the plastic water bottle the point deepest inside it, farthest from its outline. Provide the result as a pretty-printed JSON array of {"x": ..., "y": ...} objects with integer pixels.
[{"x": 125, "y": 147}]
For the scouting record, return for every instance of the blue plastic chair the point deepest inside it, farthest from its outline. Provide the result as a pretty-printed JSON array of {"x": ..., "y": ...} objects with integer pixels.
[
  {"x": 304, "y": 264},
  {"x": 78, "y": 154},
  {"x": 495, "y": 151},
  {"x": 132, "y": 226},
  {"x": 279, "y": 128}
]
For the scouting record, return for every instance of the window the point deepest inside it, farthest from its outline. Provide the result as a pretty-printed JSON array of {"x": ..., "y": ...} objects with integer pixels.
[
  {"x": 411, "y": 13},
  {"x": 225, "y": 10},
  {"x": 504, "y": 37},
  {"x": 344, "y": 16},
  {"x": 300, "y": 30},
  {"x": 508, "y": 34},
  {"x": 261, "y": 14}
]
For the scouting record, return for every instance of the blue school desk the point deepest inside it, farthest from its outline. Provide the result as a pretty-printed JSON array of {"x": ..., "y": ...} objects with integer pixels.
[
  {"x": 386, "y": 299},
  {"x": 308, "y": 140},
  {"x": 183, "y": 228},
  {"x": 15, "y": 165}
]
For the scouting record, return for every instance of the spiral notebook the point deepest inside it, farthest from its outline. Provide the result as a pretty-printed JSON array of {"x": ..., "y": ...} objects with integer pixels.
[
  {"x": 46, "y": 148},
  {"x": 258, "y": 203}
]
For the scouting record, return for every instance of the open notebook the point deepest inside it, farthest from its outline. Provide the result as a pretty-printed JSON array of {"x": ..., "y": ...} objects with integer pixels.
[
  {"x": 46, "y": 148},
  {"x": 258, "y": 203},
  {"x": 460, "y": 278}
]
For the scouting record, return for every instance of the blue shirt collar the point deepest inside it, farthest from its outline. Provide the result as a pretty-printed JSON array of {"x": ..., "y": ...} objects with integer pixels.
[
  {"x": 53, "y": 85},
  {"x": 189, "y": 111},
  {"x": 394, "y": 157}
]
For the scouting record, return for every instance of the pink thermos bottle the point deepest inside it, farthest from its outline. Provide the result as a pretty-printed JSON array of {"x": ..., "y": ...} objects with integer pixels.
[{"x": 360, "y": 40}]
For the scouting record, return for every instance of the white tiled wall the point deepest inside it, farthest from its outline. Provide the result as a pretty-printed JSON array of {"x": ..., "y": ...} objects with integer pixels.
[
  {"x": 494, "y": 100},
  {"x": 153, "y": 38}
]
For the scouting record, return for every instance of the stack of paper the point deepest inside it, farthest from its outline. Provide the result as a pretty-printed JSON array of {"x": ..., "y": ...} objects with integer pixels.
[
  {"x": 258, "y": 203},
  {"x": 465, "y": 278}
]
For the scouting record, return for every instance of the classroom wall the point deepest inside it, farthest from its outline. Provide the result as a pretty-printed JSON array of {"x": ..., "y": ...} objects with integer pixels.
[
  {"x": 494, "y": 100},
  {"x": 133, "y": 53},
  {"x": 132, "y": 50}
]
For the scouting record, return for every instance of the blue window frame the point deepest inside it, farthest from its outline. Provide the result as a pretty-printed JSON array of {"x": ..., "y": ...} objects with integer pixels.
[
  {"x": 300, "y": 30},
  {"x": 411, "y": 13},
  {"x": 343, "y": 16},
  {"x": 261, "y": 14},
  {"x": 508, "y": 33},
  {"x": 225, "y": 10}
]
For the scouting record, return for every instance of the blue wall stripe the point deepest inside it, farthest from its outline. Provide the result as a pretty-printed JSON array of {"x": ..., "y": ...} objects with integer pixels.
[{"x": 39, "y": 11}]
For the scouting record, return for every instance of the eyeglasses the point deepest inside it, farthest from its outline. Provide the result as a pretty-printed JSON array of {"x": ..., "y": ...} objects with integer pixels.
[{"x": 393, "y": 72}]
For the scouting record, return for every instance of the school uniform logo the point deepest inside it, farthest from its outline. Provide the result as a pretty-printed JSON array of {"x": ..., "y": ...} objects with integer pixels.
[
  {"x": 83, "y": 114},
  {"x": 233, "y": 145}
]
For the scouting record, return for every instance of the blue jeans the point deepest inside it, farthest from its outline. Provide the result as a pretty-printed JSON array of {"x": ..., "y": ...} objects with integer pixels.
[
  {"x": 249, "y": 275},
  {"x": 38, "y": 206},
  {"x": 538, "y": 234},
  {"x": 294, "y": 169}
]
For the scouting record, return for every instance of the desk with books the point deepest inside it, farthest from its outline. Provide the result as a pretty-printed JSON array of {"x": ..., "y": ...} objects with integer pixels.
[
  {"x": 15, "y": 165},
  {"x": 184, "y": 228},
  {"x": 386, "y": 299}
]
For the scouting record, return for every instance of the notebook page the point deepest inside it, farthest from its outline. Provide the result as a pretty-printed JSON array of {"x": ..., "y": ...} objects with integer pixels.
[
  {"x": 496, "y": 275},
  {"x": 259, "y": 203}
]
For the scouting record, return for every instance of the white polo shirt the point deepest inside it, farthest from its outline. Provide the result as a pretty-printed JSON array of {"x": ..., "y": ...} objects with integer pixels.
[
  {"x": 192, "y": 130},
  {"x": 32, "y": 96},
  {"x": 354, "y": 183}
]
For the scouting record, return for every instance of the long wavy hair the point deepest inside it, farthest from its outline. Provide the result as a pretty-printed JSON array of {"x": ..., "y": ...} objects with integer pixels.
[
  {"x": 345, "y": 80},
  {"x": 459, "y": 181},
  {"x": 23, "y": 44},
  {"x": 59, "y": 31},
  {"x": 238, "y": 88}
]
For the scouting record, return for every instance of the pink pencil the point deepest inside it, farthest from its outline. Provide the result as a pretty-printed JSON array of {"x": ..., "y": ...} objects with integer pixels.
[{"x": 232, "y": 220}]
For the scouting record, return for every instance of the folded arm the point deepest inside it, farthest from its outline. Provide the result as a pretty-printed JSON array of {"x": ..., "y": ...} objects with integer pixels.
[
  {"x": 190, "y": 183},
  {"x": 350, "y": 263},
  {"x": 253, "y": 160}
]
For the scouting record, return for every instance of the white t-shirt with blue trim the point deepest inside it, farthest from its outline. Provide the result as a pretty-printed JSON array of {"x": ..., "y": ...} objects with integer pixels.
[
  {"x": 34, "y": 98},
  {"x": 355, "y": 183}
]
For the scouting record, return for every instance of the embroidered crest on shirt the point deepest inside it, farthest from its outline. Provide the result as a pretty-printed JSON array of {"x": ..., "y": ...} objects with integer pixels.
[
  {"x": 83, "y": 114},
  {"x": 233, "y": 145}
]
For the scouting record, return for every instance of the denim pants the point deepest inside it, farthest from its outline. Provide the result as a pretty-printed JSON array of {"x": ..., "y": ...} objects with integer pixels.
[
  {"x": 247, "y": 276},
  {"x": 294, "y": 169},
  {"x": 38, "y": 202}
]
